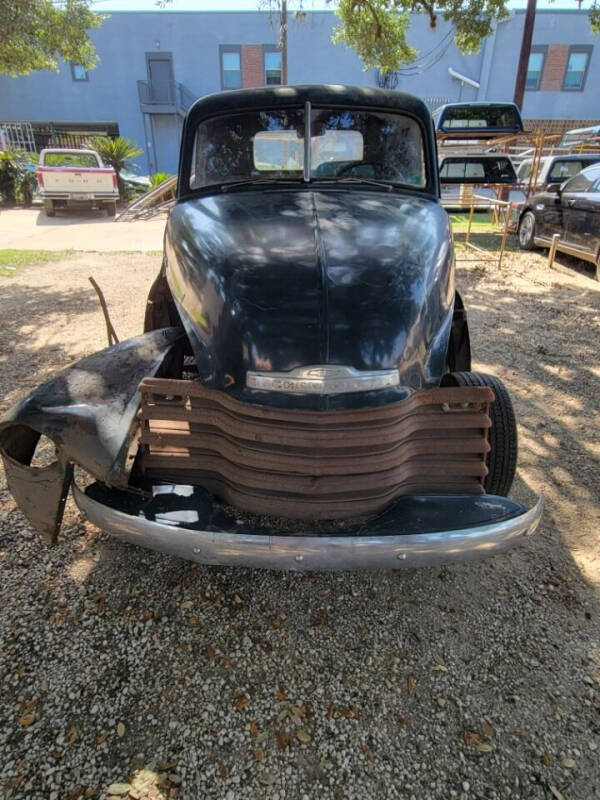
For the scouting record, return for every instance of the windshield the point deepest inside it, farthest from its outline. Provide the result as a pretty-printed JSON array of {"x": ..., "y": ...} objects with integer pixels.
[
  {"x": 344, "y": 144},
  {"x": 70, "y": 160}
]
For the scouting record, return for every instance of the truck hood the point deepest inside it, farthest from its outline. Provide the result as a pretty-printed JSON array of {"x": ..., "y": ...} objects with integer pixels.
[{"x": 279, "y": 279}]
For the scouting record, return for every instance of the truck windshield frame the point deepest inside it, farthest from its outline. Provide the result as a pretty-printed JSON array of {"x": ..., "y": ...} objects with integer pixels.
[{"x": 346, "y": 143}]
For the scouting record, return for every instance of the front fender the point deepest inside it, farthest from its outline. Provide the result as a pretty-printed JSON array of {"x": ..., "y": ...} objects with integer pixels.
[{"x": 89, "y": 412}]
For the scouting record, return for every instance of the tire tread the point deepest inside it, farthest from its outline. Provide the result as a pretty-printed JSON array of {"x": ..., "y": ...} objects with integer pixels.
[{"x": 502, "y": 458}]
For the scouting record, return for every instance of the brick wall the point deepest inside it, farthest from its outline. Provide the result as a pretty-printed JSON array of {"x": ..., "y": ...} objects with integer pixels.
[
  {"x": 554, "y": 68},
  {"x": 557, "y": 126},
  {"x": 252, "y": 66}
]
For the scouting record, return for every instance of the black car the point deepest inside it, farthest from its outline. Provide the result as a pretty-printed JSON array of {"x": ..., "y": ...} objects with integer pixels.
[
  {"x": 301, "y": 397},
  {"x": 572, "y": 211}
]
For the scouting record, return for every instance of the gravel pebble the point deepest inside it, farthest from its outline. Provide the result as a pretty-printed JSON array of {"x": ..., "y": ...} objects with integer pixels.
[{"x": 418, "y": 685}]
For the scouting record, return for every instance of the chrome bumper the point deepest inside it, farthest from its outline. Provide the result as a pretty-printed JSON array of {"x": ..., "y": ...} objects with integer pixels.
[{"x": 316, "y": 552}]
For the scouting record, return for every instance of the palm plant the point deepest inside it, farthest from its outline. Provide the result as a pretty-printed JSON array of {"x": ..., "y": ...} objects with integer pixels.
[{"x": 117, "y": 153}]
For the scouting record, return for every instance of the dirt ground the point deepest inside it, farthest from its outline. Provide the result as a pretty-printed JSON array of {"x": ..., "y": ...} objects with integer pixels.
[{"x": 174, "y": 680}]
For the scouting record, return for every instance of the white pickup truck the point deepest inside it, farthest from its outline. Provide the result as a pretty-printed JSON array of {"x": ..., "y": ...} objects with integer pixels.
[{"x": 76, "y": 178}]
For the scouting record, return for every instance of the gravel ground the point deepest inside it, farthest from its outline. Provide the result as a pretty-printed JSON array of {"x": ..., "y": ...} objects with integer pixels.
[{"x": 128, "y": 673}]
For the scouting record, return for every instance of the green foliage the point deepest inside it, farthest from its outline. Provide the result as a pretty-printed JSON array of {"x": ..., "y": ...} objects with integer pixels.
[
  {"x": 9, "y": 175},
  {"x": 17, "y": 181},
  {"x": 118, "y": 154},
  {"x": 595, "y": 16},
  {"x": 377, "y": 29},
  {"x": 158, "y": 178},
  {"x": 36, "y": 34}
]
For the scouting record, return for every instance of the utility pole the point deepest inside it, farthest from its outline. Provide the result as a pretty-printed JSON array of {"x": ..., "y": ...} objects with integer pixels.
[
  {"x": 525, "y": 51},
  {"x": 283, "y": 31}
]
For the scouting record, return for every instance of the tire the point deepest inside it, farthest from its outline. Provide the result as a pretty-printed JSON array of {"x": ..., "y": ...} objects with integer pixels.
[
  {"x": 49, "y": 208},
  {"x": 111, "y": 209},
  {"x": 502, "y": 458},
  {"x": 598, "y": 267},
  {"x": 526, "y": 231}
]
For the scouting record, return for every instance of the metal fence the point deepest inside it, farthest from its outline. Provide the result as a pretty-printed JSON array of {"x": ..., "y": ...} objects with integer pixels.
[{"x": 35, "y": 136}]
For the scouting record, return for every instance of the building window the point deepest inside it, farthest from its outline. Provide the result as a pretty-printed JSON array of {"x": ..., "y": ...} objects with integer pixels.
[
  {"x": 78, "y": 72},
  {"x": 272, "y": 67},
  {"x": 577, "y": 67},
  {"x": 535, "y": 67},
  {"x": 231, "y": 67}
]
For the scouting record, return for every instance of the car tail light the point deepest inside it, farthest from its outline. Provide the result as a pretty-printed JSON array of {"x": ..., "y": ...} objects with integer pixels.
[
  {"x": 40, "y": 177},
  {"x": 115, "y": 180}
]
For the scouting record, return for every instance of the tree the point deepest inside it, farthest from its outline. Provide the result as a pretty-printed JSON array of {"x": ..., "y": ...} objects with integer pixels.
[
  {"x": 36, "y": 34},
  {"x": 117, "y": 153},
  {"x": 377, "y": 29}
]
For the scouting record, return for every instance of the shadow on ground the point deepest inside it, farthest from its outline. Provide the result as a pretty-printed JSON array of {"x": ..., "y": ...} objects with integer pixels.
[{"x": 407, "y": 684}]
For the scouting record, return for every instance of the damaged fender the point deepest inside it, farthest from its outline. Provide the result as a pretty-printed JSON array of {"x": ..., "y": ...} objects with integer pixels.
[{"x": 89, "y": 411}]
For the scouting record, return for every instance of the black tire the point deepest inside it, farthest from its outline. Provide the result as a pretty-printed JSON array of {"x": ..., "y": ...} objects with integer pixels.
[
  {"x": 111, "y": 209},
  {"x": 49, "y": 208},
  {"x": 502, "y": 458},
  {"x": 526, "y": 232}
]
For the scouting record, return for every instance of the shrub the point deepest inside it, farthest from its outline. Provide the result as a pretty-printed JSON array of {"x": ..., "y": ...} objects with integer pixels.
[
  {"x": 118, "y": 154},
  {"x": 158, "y": 178}
]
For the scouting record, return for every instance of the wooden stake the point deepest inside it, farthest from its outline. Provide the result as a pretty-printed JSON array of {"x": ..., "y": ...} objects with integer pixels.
[
  {"x": 470, "y": 223},
  {"x": 552, "y": 253}
]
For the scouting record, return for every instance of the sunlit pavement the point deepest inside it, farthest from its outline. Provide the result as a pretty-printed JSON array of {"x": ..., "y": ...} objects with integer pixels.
[{"x": 31, "y": 229}]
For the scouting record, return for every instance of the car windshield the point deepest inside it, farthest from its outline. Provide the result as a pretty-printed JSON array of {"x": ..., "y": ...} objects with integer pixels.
[
  {"x": 70, "y": 160},
  {"x": 344, "y": 144}
]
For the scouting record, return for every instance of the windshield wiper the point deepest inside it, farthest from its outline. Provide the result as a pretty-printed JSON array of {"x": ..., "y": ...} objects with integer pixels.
[
  {"x": 250, "y": 181},
  {"x": 355, "y": 179}
]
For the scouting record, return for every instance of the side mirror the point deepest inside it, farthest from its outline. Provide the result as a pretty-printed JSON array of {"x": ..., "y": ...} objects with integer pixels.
[{"x": 555, "y": 188}]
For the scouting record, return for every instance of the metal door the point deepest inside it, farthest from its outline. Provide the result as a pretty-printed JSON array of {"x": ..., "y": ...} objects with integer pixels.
[{"x": 160, "y": 77}]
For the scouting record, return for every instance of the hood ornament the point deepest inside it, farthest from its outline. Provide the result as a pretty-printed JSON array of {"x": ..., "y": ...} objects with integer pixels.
[{"x": 323, "y": 379}]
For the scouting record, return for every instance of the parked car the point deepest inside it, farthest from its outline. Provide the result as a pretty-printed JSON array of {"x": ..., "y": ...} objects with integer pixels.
[
  {"x": 554, "y": 170},
  {"x": 76, "y": 178},
  {"x": 302, "y": 396},
  {"x": 581, "y": 136},
  {"x": 478, "y": 120},
  {"x": 572, "y": 211}
]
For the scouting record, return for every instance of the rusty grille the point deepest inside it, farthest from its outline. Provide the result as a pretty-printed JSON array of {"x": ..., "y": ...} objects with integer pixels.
[{"x": 314, "y": 464}]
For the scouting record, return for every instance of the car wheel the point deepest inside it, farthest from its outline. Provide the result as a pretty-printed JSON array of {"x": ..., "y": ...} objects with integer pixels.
[
  {"x": 111, "y": 209},
  {"x": 502, "y": 458},
  {"x": 49, "y": 208},
  {"x": 527, "y": 231}
]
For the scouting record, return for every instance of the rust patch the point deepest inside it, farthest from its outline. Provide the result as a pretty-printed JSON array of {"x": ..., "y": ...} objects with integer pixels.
[{"x": 314, "y": 464}]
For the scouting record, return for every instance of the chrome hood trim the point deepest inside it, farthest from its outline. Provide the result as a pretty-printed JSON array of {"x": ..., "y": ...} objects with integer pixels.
[{"x": 323, "y": 379}]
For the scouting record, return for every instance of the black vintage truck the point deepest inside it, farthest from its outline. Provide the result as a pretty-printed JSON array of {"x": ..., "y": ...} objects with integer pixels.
[{"x": 301, "y": 397}]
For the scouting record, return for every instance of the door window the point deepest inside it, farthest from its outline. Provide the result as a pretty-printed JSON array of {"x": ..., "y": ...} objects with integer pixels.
[
  {"x": 561, "y": 170},
  {"x": 580, "y": 183}
]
